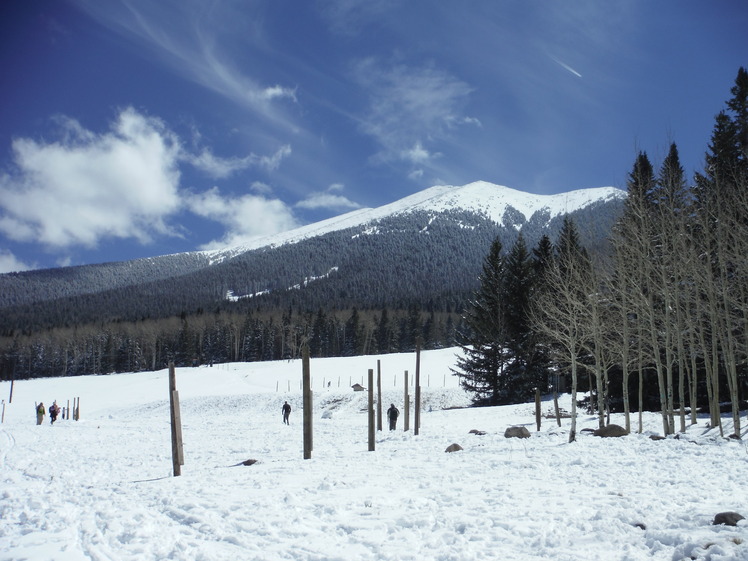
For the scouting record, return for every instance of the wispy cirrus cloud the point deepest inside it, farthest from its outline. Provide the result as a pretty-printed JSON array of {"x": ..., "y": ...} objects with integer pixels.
[
  {"x": 220, "y": 168},
  {"x": 187, "y": 36},
  {"x": 410, "y": 106}
]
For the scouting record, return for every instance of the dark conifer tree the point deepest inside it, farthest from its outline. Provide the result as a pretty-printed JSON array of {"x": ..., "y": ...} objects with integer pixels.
[
  {"x": 483, "y": 333},
  {"x": 520, "y": 377},
  {"x": 352, "y": 341},
  {"x": 384, "y": 333}
]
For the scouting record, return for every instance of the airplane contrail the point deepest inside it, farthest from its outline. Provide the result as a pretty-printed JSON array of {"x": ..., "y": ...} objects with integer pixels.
[{"x": 566, "y": 67}]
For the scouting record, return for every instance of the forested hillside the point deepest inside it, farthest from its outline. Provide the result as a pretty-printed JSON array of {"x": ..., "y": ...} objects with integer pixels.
[{"x": 123, "y": 316}]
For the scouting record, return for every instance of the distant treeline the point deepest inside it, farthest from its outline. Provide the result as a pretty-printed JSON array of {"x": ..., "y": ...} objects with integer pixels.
[{"x": 224, "y": 337}]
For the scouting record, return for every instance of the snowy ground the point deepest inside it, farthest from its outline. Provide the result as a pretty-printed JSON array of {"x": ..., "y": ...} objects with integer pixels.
[{"x": 102, "y": 488}]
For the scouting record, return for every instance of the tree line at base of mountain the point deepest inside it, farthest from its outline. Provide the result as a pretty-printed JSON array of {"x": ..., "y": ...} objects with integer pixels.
[{"x": 224, "y": 337}]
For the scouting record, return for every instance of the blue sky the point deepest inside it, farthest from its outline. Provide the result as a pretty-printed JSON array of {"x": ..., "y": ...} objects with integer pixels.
[{"x": 137, "y": 128}]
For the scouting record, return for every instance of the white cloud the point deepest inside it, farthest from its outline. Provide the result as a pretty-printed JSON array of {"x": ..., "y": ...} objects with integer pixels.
[
  {"x": 120, "y": 184},
  {"x": 328, "y": 199},
  {"x": 245, "y": 218},
  {"x": 275, "y": 92},
  {"x": 9, "y": 263},
  {"x": 220, "y": 168},
  {"x": 417, "y": 154}
]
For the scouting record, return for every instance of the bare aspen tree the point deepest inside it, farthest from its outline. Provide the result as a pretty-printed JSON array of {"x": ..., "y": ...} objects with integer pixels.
[{"x": 560, "y": 313}]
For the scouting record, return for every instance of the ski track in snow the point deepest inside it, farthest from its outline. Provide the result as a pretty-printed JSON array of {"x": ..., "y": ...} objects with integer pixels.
[{"x": 102, "y": 489}]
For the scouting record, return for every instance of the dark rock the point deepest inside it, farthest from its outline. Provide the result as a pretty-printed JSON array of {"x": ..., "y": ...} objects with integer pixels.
[
  {"x": 517, "y": 432},
  {"x": 656, "y": 437},
  {"x": 453, "y": 448},
  {"x": 611, "y": 431},
  {"x": 640, "y": 525},
  {"x": 249, "y": 462},
  {"x": 728, "y": 518},
  {"x": 478, "y": 432}
]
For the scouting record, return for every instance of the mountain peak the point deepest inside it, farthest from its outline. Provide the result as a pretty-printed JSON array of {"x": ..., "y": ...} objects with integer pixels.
[{"x": 481, "y": 197}]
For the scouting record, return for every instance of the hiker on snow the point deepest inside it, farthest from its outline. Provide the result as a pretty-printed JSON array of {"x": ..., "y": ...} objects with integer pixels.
[
  {"x": 392, "y": 414},
  {"x": 286, "y": 412},
  {"x": 54, "y": 410},
  {"x": 40, "y": 411}
]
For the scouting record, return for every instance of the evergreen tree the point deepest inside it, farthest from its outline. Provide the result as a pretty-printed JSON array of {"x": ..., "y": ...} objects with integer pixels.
[
  {"x": 483, "y": 333},
  {"x": 522, "y": 374}
]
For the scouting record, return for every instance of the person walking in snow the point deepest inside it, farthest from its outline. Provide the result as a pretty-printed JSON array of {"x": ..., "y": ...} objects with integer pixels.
[
  {"x": 286, "y": 409},
  {"x": 54, "y": 410},
  {"x": 40, "y": 411},
  {"x": 392, "y": 415}
]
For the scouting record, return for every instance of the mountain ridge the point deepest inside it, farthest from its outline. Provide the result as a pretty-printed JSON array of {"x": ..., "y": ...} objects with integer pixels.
[
  {"x": 423, "y": 250},
  {"x": 438, "y": 198}
]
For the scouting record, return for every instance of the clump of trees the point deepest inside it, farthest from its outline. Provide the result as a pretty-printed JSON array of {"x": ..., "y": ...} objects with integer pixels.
[{"x": 668, "y": 310}]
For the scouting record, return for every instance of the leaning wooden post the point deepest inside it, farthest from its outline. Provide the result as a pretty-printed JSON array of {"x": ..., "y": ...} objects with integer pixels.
[
  {"x": 371, "y": 410},
  {"x": 417, "y": 416},
  {"x": 306, "y": 376},
  {"x": 537, "y": 407},
  {"x": 177, "y": 451},
  {"x": 12, "y": 381},
  {"x": 379, "y": 395},
  {"x": 3, "y": 419},
  {"x": 406, "y": 406}
]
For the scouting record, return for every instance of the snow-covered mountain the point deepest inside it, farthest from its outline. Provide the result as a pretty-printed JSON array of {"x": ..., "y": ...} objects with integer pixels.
[
  {"x": 423, "y": 250},
  {"x": 481, "y": 197}
]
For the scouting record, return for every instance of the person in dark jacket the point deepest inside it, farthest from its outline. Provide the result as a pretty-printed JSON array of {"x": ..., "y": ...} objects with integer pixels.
[
  {"x": 54, "y": 410},
  {"x": 392, "y": 415},
  {"x": 286, "y": 409}
]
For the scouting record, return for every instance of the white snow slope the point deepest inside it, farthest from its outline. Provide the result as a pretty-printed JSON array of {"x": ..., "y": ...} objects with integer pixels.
[
  {"x": 480, "y": 196},
  {"x": 101, "y": 488}
]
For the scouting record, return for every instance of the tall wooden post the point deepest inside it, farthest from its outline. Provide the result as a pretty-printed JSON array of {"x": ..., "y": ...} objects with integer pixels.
[
  {"x": 406, "y": 406},
  {"x": 379, "y": 395},
  {"x": 177, "y": 451},
  {"x": 417, "y": 415},
  {"x": 371, "y": 410},
  {"x": 307, "y": 397},
  {"x": 12, "y": 381},
  {"x": 537, "y": 407}
]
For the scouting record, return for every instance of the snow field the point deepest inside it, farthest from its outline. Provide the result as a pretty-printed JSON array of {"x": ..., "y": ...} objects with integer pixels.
[{"x": 101, "y": 488}]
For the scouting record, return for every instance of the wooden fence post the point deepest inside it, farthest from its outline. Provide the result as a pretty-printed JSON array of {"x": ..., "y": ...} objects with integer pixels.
[
  {"x": 307, "y": 399},
  {"x": 379, "y": 395},
  {"x": 3, "y": 419},
  {"x": 12, "y": 381},
  {"x": 406, "y": 406},
  {"x": 417, "y": 416},
  {"x": 371, "y": 410},
  {"x": 537, "y": 407},
  {"x": 177, "y": 451}
]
